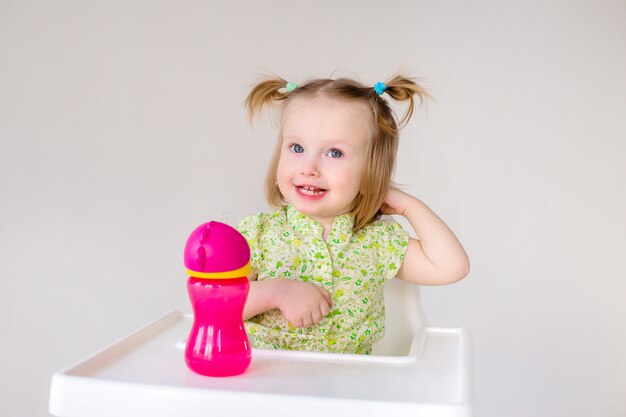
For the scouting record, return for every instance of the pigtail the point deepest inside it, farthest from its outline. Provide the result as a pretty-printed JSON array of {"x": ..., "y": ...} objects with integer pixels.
[
  {"x": 401, "y": 88},
  {"x": 383, "y": 148},
  {"x": 267, "y": 92}
]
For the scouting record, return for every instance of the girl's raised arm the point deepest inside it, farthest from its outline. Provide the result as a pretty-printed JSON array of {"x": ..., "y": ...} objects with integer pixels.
[{"x": 437, "y": 258}]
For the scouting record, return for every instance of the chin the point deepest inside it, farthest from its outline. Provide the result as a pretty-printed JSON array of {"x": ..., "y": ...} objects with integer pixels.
[
  {"x": 309, "y": 211},
  {"x": 303, "y": 210}
]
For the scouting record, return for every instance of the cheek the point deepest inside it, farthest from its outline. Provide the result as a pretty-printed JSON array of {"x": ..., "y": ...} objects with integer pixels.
[
  {"x": 358, "y": 177},
  {"x": 282, "y": 164},
  {"x": 350, "y": 178},
  {"x": 356, "y": 183},
  {"x": 284, "y": 174}
]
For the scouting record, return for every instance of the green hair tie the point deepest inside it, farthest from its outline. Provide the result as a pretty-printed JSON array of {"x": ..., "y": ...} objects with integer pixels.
[{"x": 291, "y": 86}]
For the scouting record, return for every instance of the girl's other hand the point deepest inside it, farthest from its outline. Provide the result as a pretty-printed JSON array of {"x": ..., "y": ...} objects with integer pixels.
[
  {"x": 302, "y": 303},
  {"x": 396, "y": 202}
]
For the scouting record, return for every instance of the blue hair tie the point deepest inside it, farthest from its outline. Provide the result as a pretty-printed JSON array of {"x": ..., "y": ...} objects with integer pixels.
[
  {"x": 380, "y": 88},
  {"x": 291, "y": 86}
]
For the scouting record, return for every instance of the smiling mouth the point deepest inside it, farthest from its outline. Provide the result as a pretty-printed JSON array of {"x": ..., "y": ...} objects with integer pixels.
[{"x": 311, "y": 191}]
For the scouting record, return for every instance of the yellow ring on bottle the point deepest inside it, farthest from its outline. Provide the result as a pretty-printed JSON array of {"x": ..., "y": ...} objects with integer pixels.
[{"x": 236, "y": 273}]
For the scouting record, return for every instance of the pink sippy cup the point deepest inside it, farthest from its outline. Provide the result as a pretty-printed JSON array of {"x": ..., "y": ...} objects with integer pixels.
[{"x": 217, "y": 259}]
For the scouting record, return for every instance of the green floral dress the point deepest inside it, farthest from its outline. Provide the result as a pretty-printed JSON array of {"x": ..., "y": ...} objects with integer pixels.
[{"x": 352, "y": 267}]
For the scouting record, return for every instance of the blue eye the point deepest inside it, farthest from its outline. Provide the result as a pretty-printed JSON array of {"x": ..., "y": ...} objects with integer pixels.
[
  {"x": 335, "y": 153},
  {"x": 297, "y": 148}
]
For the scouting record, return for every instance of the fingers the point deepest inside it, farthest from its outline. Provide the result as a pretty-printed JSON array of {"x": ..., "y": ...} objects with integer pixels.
[
  {"x": 325, "y": 294},
  {"x": 306, "y": 304},
  {"x": 324, "y": 309},
  {"x": 313, "y": 316}
]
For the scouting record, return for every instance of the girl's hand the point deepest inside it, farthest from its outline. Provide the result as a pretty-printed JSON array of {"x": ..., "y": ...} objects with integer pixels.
[
  {"x": 302, "y": 303},
  {"x": 396, "y": 202}
]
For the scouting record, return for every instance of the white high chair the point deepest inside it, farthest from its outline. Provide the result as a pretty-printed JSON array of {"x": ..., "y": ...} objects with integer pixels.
[{"x": 416, "y": 370}]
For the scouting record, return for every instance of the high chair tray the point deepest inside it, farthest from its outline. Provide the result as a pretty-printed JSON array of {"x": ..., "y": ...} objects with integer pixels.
[{"x": 144, "y": 374}]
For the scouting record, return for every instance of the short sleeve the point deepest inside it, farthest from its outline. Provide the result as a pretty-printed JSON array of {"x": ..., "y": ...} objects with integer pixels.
[
  {"x": 391, "y": 242},
  {"x": 249, "y": 227}
]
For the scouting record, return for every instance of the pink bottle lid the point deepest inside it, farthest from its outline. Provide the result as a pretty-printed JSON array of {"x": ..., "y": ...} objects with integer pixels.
[{"x": 216, "y": 250}]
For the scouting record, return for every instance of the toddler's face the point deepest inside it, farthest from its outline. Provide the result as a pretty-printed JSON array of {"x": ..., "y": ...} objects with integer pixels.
[{"x": 322, "y": 155}]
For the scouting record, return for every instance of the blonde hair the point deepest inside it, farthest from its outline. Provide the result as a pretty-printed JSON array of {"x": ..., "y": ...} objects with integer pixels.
[{"x": 381, "y": 149}]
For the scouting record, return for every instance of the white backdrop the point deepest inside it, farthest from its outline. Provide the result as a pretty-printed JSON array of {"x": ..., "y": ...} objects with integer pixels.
[{"x": 122, "y": 127}]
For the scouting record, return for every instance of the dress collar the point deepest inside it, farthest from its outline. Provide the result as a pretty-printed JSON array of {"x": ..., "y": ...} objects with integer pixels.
[{"x": 342, "y": 224}]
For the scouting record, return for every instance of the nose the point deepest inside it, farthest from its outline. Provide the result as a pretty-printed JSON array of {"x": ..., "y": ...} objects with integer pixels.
[{"x": 310, "y": 168}]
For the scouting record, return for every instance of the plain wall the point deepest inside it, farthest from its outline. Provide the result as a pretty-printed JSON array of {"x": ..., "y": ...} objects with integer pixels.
[{"x": 122, "y": 127}]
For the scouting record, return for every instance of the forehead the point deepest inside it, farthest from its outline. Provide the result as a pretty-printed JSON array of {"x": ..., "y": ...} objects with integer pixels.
[{"x": 327, "y": 118}]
